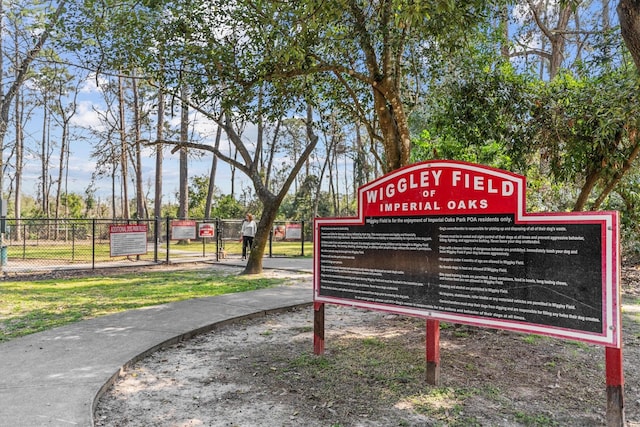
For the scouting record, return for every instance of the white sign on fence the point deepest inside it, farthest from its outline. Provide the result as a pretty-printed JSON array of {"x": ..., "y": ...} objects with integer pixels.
[
  {"x": 126, "y": 239},
  {"x": 183, "y": 229}
]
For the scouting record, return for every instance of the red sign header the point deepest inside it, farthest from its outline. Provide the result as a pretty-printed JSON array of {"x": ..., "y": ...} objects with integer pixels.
[
  {"x": 128, "y": 228},
  {"x": 447, "y": 188}
]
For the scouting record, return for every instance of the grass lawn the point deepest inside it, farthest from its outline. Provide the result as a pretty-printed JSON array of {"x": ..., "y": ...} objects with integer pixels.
[{"x": 27, "y": 307}]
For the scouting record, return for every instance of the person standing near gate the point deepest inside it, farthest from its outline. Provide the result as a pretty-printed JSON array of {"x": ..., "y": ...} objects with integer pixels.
[{"x": 248, "y": 232}]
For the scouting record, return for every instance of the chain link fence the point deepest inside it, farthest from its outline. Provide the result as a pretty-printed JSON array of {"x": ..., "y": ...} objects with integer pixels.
[{"x": 43, "y": 245}]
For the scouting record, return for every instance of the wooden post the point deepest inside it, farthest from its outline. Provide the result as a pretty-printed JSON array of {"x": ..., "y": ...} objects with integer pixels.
[
  {"x": 318, "y": 328},
  {"x": 615, "y": 387},
  {"x": 433, "y": 352}
]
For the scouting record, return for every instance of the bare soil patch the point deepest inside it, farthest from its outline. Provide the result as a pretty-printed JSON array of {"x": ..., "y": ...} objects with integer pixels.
[{"x": 263, "y": 373}]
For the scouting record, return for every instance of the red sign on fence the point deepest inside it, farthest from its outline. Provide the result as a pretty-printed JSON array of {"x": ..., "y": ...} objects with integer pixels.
[{"x": 206, "y": 230}]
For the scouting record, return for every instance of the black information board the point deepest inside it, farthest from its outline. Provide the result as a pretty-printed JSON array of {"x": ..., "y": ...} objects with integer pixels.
[{"x": 474, "y": 265}]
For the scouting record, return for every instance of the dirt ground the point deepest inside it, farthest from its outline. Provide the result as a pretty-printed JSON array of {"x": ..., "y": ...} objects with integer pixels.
[{"x": 263, "y": 372}]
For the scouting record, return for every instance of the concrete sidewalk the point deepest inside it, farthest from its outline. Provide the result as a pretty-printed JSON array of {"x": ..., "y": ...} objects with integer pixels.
[{"x": 52, "y": 378}]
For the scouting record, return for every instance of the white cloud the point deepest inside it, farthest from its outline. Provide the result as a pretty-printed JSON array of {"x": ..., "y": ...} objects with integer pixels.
[{"x": 87, "y": 117}]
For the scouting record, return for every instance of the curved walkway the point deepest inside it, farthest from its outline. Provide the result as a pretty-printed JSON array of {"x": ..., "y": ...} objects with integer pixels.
[{"x": 52, "y": 378}]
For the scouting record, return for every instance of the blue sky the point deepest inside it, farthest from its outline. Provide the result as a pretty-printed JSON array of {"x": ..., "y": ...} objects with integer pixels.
[{"x": 81, "y": 165}]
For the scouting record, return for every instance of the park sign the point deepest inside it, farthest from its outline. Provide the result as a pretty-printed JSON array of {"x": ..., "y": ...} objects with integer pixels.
[
  {"x": 452, "y": 241},
  {"x": 127, "y": 239},
  {"x": 183, "y": 229}
]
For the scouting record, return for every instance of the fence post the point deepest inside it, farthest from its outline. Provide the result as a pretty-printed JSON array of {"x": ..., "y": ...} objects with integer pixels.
[
  {"x": 271, "y": 243},
  {"x": 24, "y": 240},
  {"x": 302, "y": 236},
  {"x": 156, "y": 224},
  {"x": 167, "y": 238},
  {"x": 93, "y": 244},
  {"x": 73, "y": 242},
  {"x": 216, "y": 232},
  {"x": 203, "y": 238}
]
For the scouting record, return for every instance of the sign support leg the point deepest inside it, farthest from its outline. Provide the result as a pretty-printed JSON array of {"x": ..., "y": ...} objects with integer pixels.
[
  {"x": 318, "y": 328},
  {"x": 615, "y": 387},
  {"x": 433, "y": 352}
]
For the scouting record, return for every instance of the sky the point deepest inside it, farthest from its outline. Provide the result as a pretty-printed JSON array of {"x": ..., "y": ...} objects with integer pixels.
[{"x": 81, "y": 165}]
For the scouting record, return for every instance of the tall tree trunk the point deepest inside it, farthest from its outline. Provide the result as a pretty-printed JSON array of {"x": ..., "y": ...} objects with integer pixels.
[
  {"x": 183, "y": 208},
  {"x": 65, "y": 116},
  {"x": 318, "y": 188},
  {"x": 271, "y": 202},
  {"x": 249, "y": 165},
  {"x": 63, "y": 152},
  {"x": 124, "y": 163},
  {"x": 589, "y": 184},
  {"x": 140, "y": 205},
  {"x": 19, "y": 112},
  {"x": 556, "y": 36},
  {"x": 271, "y": 157},
  {"x": 385, "y": 87},
  {"x": 629, "y": 17},
  {"x": 233, "y": 170},
  {"x": 627, "y": 165},
  {"x": 157, "y": 206},
  {"x": 394, "y": 127},
  {"x": 503, "y": 16},
  {"x": 212, "y": 176},
  {"x": 44, "y": 167},
  {"x": 114, "y": 207}
]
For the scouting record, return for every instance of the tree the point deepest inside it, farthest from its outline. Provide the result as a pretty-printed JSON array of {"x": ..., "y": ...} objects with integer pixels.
[
  {"x": 368, "y": 51},
  {"x": 141, "y": 206},
  {"x": 589, "y": 129},
  {"x": 21, "y": 73},
  {"x": 365, "y": 59},
  {"x": 249, "y": 163},
  {"x": 107, "y": 152},
  {"x": 371, "y": 54},
  {"x": 183, "y": 209},
  {"x": 542, "y": 14},
  {"x": 63, "y": 113},
  {"x": 227, "y": 207},
  {"x": 198, "y": 196},
  {"x": 629, "y": 16},
  {"x": 212, "y": 176},
  {"x": 157, "y": 207},
  {"x": 481, "y": 117}
]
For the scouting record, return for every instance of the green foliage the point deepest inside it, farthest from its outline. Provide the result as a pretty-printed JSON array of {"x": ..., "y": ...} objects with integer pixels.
[
  {"x": 300, "y": 206},
  {"x": 559, "y": 134},
  {"x": 626, "y": 200},
  {"x": 223, "y": 206},
  {"x": 581, "y": 123},
  {"x": 198, "y": 189},
  {"x": 480, "y": 118},
  {"x": 227, "y": 207},
  {"x": 73, "y": 205}
]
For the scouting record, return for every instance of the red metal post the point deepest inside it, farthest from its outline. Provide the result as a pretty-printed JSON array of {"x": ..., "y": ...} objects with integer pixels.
[
  {"x": 433, "y": 352},
  {"x": 615, "y": 387},
  {"x": 318, "y": 328}
]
